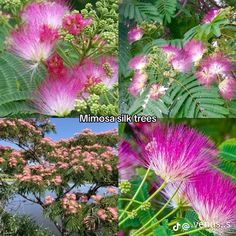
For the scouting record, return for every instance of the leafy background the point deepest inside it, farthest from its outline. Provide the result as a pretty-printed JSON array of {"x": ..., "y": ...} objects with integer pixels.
[{"x": 169, "y": 22}]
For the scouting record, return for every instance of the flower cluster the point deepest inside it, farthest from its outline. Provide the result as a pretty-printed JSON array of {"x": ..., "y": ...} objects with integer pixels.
[
  {"x": 110, "y": 214},
  {"x": 70, "y": 204},
  {"x": 70, "y": 80},
  {"x": 182, "y": 161}
]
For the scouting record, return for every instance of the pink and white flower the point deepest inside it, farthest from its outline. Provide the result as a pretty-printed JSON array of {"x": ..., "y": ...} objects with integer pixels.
[
  {"x": 33, "y": 44},
  {"x": 156, "y": 91},
  {"x": 138, "y": 62},
  {"x": 182, "y": 62},
  {"x": 56, "y": 96},
  {"x": 138, "y": 83},
  {"x": 176, "y": 153},
  {"x": 45, "y": 13},
  {"x": 170, "y": 51},
  {"x": 48, "y": 200},
  {"x": 213, "y": 197},
  {"x": 227, "y": 88},
  {"x": 195, "y": 49},
  {"x": 135, "y": 34}
]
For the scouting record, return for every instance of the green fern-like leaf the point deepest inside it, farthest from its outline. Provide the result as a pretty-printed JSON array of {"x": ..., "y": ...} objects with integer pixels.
[
  {"x": 16, "y": 86},
  {"x": 139, "y": 11},
  {"x": 190, "y": 100},
  {"x": 166, "y": 8}
]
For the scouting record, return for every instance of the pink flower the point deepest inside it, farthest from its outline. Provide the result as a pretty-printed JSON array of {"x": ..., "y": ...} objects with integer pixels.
[
  {"x": 101, "y": 213},
  {"x": 88, "y": 74},
  {"x": 75, "y": 23},
  {"x": 56, "y": 96},
  {"x": 57, "y": 180},
  {"x": 111, "y": 190},
  {"x": 138, "y": 62},
  {"x": 96, "y": 197},
  {"x": 213, "y": 197},
  {"x": 182, "y": 62},
  {"x": 218, "y": 64},
  {"x": 205, "y": 77},
  {"x": 135, "y": 34},
  {"x": 48, "y": 200},
  {"x": 227, "y": 88},
  {"x": 156, "y": 91},
  {"x": 1, "y": 160},
  {"x": 55, "y": 65},
  {"x": 211, "y": 67},
  {"x": 45, "y": 13},
  {"x": 195, "y": 49},
  {"x": 176, "y": 153},
  {"x": 33, "y": 43},
  {"x": 170, "y": 51},
  {"x": 110, "y": 69},
  {"x": 113, "y": 211},
  {"x": 209, "y": 17},
  {"x": 138, "y": 83}
]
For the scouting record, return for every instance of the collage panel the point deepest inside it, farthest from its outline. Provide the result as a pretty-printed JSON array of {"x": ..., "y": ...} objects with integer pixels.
[
  {"x": 58, "y": 177},
  {"x": 177, "y": 177},
  {"x": 58, "y": 58},
  {"x": 177, "y": 58}
]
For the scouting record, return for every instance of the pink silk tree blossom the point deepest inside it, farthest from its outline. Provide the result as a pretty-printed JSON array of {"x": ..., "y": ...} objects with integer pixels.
[
  {"x": 45, "y": 13},
  {"x": 56, "y": 96},
  {"x": 135, "y": 34},
  {"x": 176, "y": 153},
  {"x": 213, "y": 197}
]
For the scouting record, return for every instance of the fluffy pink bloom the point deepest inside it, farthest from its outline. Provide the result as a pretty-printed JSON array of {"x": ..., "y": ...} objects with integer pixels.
[
  {"x": 218, "y": 64},
  {"x": 138, "y": 83},
  {"x": 213, "y": 197},
  {"x": 211, "y": 67},
  {"x": 110, "y": 71},
  {"x": 1, "y": 160},
  {"x": 205, "y": 77},
  {"x": 48, "y": 200},
  {"x": 176, "y": 153},
  {"x": 88, "y": 74},
  {"x": 56, "y": 96},
  {"x": 227, "y": 88},
  {"x": 96, "y": 197},
  {"x": 135, "y": 34},
  {"x": 182, "y": 62},
  {"x": 127, "y": 161},
  {"x": 45, "y": 13},
  {"x": 209, "y": 17},
  {"x": 170, "y": 51},
  {"x": 195, "y": 49},
  {"x": 75, "y": 23},
  {"x": 156, "y": 91},
  {"x": 33, "y": 43},
  {"x": 138, "y": 62}
]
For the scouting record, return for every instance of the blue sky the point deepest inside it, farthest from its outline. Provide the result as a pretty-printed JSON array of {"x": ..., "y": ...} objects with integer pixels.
[{"x": 67, "y": 127}]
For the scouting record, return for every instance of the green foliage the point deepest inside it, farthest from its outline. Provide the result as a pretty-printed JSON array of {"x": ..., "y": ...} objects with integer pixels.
[
  {"x": 16, "y": 85},
  {"x": 166, "y": 8}
]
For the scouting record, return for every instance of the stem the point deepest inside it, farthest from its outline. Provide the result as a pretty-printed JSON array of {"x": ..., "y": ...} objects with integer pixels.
[
  {"x": 128, "y": 199},
  {"x": 159, "y": 221},
  {"x": 139, "y": 231},
  {"x": 191, "y": 232},
  {"x": 148, "y": 200},
  {"x": 137, "y": 192}
]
